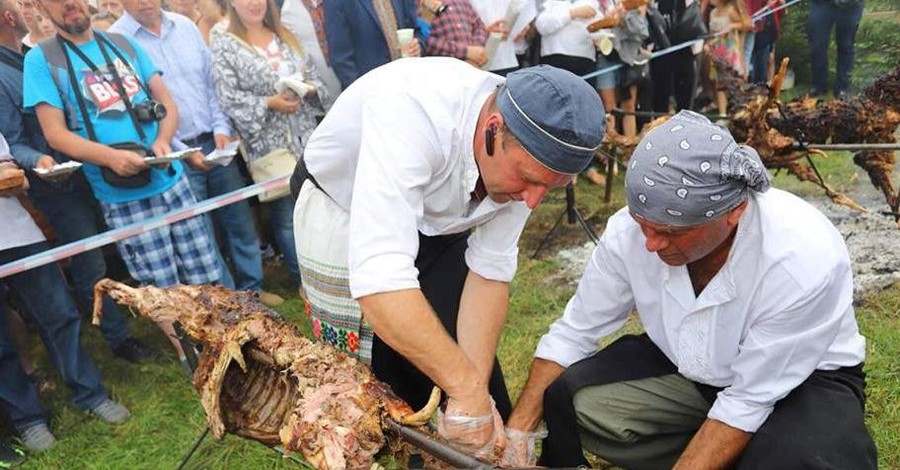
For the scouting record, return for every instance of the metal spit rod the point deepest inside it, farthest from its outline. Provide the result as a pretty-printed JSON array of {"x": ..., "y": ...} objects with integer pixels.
[
  {"x": 852, "y": 147},
  {"x": 437, "y": 448}
]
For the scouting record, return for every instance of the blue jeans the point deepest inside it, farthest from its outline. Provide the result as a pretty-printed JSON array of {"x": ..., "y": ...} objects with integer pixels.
[
  {"x": 72, "y": 211},
  {"x": 749, "y": 40},
  {"x": 823, "y": 16},
  {"x": 760, "y": 62},
  {"x": 283, "y": 228},
  {"x": 234, "y": 221},
  {"x": 43, "y": 290}
]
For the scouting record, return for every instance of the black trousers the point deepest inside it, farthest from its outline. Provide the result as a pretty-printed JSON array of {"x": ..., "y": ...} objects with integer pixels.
[
  {"x": 578, "y": 65},
  {"x": 442, "y": 274},
  {"x": 819, "y": 425},
  {"x": 673, "y": 75}
]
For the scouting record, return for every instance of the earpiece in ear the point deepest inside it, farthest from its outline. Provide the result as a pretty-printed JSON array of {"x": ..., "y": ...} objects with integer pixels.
[{"x": 489, "y": 135}]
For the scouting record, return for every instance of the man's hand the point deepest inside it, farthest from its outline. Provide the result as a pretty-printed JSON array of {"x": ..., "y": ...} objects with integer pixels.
[
  {"x": 126, "y": 163},
  {"x": 47, "y": 162},
  {"x": 525, "y": 33},
  {"x": 480, "y": 434},
  {"x": 583, "y": 12},
  {"x": 161, "y": 148},
  {"x": 197, "y": 162},
  {"x": 476, "y": 56},
  {"x": 221, "y": 140},
  {"x": 283, "y": 104},
  {"x": 498, "y": 26},
  {"x": 520, "y": 448},
  {"x": 10, "y": 172},
  {"x": 411, "y": 49},
  {"x": 715, "y": 445}
]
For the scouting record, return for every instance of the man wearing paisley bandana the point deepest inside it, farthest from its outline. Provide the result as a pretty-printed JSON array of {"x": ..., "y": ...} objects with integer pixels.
[{"x": 751, "y": 358}]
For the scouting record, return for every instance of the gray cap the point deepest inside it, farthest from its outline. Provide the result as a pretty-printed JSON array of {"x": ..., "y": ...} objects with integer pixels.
[{"x": 555, "y": 115}]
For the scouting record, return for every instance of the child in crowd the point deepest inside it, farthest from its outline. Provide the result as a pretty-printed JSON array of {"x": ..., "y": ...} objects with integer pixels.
[{"x": 729, "y": 20}]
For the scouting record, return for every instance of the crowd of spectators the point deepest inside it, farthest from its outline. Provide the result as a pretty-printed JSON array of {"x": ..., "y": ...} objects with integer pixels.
[{"x": 84, "y": 82}]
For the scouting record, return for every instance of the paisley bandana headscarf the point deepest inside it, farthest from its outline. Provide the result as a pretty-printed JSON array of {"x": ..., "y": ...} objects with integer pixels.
[{"x": 689, "y": 171}]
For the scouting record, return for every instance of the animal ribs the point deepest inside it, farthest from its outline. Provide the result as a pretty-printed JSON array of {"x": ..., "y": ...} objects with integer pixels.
[{"x": 260, "y": 379}]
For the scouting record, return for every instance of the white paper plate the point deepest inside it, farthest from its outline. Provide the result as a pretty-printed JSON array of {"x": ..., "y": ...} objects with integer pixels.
[
  {"x": 59, "y": 169},
  {"x": 179, "y": 155}
]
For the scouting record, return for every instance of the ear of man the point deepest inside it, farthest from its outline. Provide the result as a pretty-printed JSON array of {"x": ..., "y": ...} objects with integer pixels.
[{"x": 734, "y": 215}]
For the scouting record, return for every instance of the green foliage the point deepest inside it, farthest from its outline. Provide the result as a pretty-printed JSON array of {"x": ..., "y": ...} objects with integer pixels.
[
  {"x": 167, "y": 416},
  {"x": 877, "y": 43}
]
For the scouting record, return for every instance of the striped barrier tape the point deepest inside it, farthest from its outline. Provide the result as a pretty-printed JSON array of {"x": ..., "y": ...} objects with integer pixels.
[
  {"x": 112, "y": 236},
  {"x": 678, "y": 47}
]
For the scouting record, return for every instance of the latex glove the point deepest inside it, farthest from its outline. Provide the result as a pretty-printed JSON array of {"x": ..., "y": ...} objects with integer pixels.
[
  {"x": 480, "y": 436},
  {"x": 520, "y": 447}
]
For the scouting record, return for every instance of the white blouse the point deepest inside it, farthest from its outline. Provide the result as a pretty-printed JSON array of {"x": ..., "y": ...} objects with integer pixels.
[
  {"x": 19, "y": 228},
  {"x": 492, "y": 10},
  {"x": 560, "y": 34},
  {"x": 780, "y": 307}
]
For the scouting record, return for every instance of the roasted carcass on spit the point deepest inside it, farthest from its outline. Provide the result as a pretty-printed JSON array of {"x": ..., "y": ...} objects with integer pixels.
[
  {"x": 260, "y": 379},
  {"x": 774, "y": 129}
]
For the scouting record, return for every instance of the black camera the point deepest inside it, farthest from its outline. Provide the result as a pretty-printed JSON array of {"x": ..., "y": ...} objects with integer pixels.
[{"x": 150, "y": 111}]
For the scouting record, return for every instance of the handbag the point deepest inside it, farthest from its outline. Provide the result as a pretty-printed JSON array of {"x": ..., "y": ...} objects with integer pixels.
[
  {"x": 688, "y": 25},
  {"x": 657, "y": 24},
  {"x": 278, "y": 162},
  {"x": 138, "y": 180}
]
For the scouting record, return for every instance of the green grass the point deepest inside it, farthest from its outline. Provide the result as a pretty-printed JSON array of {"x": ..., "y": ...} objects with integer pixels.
[{"x": 167, "y": 416}]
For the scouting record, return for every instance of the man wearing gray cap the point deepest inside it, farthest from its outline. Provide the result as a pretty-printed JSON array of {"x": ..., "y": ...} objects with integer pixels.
[
  {"x": 751, "y": 357},
  {"x": 413, "y": 193}
]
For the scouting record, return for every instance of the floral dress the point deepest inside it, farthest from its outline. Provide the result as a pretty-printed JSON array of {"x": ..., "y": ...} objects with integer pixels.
[{"x": 728, "y": 46}]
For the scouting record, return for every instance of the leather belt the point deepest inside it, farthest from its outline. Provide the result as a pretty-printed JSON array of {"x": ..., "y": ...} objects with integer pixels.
[{"x": 198, "y": 140}]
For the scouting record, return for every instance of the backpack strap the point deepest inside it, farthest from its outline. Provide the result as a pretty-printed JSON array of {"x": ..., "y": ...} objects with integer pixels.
[
  {"x": 121, "y": 42},
  {"x": 56, "y": 62},
  {"x": 55, "y": 56}
]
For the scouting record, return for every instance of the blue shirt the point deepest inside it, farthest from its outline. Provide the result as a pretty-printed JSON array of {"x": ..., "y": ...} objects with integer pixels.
[
  {"x": 105, "y": 109},
  {"x": 21, "y": 129},
  {"x": 181, "y": 54}
]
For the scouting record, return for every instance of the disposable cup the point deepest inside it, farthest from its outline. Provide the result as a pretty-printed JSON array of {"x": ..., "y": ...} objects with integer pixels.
[{"x": 404, "y": 36}]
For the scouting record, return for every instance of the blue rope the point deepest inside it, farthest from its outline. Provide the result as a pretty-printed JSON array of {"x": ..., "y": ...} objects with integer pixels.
[{"x": 686, "y": 44}]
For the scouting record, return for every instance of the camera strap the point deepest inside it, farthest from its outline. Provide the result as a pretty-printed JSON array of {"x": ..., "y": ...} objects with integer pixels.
[
  {"x": 88, "y": 125},
  {"x": 117, "y": 80},
  {"x": 102, "y": 37}
]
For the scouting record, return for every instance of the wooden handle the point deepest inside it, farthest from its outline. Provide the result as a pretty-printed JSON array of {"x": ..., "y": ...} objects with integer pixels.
[{"x": 603, "y": 24}]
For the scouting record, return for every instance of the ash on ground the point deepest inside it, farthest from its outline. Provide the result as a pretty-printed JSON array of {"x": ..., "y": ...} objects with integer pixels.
[{"x": 873, "y": 240}]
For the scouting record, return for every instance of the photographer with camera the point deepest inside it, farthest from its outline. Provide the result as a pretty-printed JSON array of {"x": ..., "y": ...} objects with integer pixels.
[{"x": 100, "y": 99}]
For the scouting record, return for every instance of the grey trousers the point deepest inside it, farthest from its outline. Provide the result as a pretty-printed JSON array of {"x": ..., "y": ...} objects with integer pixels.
[
  {"x": 646, "y": 423},
  {"x": 628, "y": 405}
]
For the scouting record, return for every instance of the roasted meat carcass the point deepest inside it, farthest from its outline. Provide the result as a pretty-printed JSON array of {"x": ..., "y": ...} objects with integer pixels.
[
  {"x": 773, "y": 129},
  {"x": 260, "y": 379}
]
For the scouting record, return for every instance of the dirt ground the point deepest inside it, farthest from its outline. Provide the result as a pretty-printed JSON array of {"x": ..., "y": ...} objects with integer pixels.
[{"x": 873, "y": 240}]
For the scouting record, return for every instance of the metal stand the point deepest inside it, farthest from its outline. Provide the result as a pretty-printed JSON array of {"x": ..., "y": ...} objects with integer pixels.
[
  {"x": 573, "y": 216},
  {"x": 190, "y": 452}
]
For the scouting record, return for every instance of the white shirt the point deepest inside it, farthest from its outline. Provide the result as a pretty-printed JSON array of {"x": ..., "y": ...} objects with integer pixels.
[
  {"x": 492, "y": 10},
  {"x": 560, "y": 34},
  {"x": 396, "y": 152},
  {"x": 18, "y": 227},
  {"x": 295, "y": 17},
  {"x": 780, "y": 307}
]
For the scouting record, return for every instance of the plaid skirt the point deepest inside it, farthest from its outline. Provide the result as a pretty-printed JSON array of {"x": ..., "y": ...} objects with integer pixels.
[
  {"x": 321, "y": 229},
  {"x": 180, "y": 253}
]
